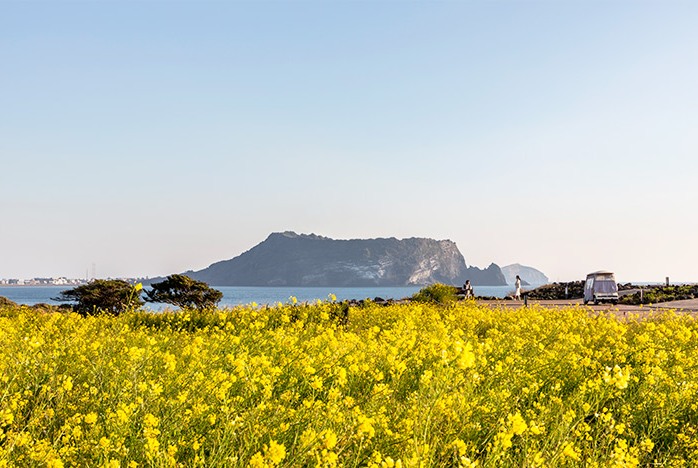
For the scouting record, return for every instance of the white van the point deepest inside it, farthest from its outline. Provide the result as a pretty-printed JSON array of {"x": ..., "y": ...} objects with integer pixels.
[{"x": 601, "y": 287}]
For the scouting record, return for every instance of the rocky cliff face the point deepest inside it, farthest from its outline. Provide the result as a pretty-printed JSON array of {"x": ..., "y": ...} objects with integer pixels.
[
  {"x": 527, "y": 274},
  {"x": 290, "y": 259}
]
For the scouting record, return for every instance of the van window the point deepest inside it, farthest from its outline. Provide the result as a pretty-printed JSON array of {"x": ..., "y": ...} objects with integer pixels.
[
  {"x": 608, "y": 277},
  {"x": 590, "y": 283}
]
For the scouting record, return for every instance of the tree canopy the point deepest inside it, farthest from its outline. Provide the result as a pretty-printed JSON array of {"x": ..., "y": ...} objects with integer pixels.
[
  {"x": 185, "y": 292},
  {"x": 110, "y": 296}
]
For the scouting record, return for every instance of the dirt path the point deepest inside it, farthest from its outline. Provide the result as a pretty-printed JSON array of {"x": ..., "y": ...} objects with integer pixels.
[{"x": 689, "y": 307}]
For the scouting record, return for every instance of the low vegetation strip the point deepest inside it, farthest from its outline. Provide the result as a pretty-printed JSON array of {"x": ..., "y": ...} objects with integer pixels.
[
  {"x": 419, "y": 384},
  {"x": 659, "y": 294}
]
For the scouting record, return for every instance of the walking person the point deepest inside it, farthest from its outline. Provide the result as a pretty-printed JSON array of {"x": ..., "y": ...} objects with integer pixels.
[{"x": 517, "y": 294}]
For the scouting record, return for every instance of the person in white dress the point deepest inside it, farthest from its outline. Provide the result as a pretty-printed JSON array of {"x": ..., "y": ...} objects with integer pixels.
[{"x": 517, "y": 294}]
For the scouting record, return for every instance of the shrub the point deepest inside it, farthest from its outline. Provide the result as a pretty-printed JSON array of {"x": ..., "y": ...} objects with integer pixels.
[
  {"x": 438, "y": 293},
  {"x": 5, "y": 302}
]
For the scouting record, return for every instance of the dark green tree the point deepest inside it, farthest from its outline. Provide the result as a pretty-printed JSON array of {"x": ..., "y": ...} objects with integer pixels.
[
  {"x": 110, "y": 296},
  {"x": 184, "y": 292}
]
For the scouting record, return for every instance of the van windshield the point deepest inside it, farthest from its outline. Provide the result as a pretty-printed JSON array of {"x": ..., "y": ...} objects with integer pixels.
[{"x": 605, "y": 286}]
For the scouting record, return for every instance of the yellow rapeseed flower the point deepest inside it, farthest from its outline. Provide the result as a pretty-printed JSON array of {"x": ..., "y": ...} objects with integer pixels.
[
  {"x": 570, "y": 451},
  {"x": 275, "y": 452},
  {"x": 329, "y": 439},
  {"x": 517, "y": 424}
]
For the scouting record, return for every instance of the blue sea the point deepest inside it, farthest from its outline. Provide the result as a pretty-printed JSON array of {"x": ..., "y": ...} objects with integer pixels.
[{"x": 241, "y": 295}]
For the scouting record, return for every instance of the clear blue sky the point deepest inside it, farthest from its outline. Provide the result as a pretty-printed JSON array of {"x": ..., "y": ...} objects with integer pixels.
[{"x": 154, "y": 137}]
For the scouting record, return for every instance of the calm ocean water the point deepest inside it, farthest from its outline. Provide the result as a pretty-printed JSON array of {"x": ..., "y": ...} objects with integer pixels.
[{"x": 237, "y": 295}]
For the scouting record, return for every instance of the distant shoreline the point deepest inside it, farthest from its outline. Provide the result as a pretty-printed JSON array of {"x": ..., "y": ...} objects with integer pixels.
[{"x": 39, "y": 285}]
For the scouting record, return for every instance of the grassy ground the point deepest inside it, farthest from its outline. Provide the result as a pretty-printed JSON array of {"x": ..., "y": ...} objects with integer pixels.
[{"x": 304, "y": 385}]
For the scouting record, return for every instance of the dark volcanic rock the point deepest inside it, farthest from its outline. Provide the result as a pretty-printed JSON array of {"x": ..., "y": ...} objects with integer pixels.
[
  {"x": 556, "y": 291},
  {"x": 290, "y": 259}
]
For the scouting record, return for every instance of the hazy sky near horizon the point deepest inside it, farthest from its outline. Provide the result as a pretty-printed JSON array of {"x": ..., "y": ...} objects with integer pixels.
[{"x": 153, "y": 137}]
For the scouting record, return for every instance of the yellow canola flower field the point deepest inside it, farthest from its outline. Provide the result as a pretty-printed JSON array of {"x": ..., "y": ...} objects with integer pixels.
[{"x": 321, "y": 385}]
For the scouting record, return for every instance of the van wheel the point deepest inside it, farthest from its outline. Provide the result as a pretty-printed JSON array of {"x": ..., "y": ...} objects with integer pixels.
[
  {"x": 585, "y": 302},
  {"x": 596, "y": 301}
]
